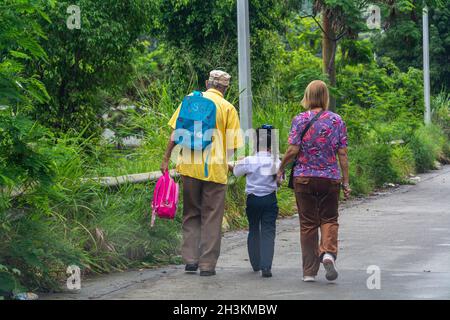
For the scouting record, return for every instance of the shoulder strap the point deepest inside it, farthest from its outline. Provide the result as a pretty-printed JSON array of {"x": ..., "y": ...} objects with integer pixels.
[
  {"x": 305, "y": 131},
  {"x": 310, "y": 124}
]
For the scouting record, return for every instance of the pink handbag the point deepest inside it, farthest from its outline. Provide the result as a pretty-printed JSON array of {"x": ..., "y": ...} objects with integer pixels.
[{"x": 165, "y": 198}]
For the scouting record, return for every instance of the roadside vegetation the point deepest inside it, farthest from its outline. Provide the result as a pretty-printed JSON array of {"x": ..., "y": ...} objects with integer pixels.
[{"x": 57, "y": 96}]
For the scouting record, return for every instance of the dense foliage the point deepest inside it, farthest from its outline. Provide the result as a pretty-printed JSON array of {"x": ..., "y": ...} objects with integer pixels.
[
  {"x": 127, "y": 69},
  {"x": 83, "y": 63},
  {"x": 19, "y": 45},
  {"x": 211, "y": 42},
  {"x": 404, "y": 25}
]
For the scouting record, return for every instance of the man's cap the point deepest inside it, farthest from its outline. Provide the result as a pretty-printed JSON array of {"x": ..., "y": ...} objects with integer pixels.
[{"x": 218, "y": 77}]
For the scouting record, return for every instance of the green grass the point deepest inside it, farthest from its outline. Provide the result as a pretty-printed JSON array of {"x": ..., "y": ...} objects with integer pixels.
[{"x": 429, "y": 145}]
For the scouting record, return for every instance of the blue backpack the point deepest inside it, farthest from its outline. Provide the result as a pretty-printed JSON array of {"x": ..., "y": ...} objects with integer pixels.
[{"x": 198, "y": 120}]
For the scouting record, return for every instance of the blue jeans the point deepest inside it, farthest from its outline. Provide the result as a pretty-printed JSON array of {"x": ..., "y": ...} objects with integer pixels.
[{"x": 262, "y": 213}]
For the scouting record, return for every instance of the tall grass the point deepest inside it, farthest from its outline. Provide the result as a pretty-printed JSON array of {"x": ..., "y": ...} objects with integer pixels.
[
  {"x": 429, "y": 145},
  {"x": 82, "y": 223}
]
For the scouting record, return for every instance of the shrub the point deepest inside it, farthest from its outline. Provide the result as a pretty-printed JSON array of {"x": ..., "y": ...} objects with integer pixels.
[
  {"x": 371, "y": 166},
  {"x": 21, "y": 159},
  {"x": 380, "y": 167},
  {"x": 8, "y": 281},
  {"x": 72, "y": 221},
  {"x": 441, "y": 111},
  {"x": 428, "y": 144},
  {"x": 36, "y": 246},
  {"x": 402, "y": 161}
]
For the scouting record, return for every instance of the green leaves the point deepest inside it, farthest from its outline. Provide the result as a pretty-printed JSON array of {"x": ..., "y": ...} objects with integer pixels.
[
  {"x": 83, "y": 65},
  {"x": 404, "y": 25},
  {"x": 19, "y": 41},
  {"x": 21, "y": 162},
  {"x": 201, "y": 37},
  {"x": 405, "y": 5},
  {"x": 9, "y": 282}
]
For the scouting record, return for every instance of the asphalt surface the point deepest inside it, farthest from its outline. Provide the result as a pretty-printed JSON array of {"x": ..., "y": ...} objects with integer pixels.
[{"x": 402, "y": 233}]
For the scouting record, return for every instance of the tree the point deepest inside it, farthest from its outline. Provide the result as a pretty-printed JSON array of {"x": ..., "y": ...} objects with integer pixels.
[
  {"x": 20, "y": 37},
  {"x": 84, "y": 63},
  {"x": 20, "y": 161},
  {"x": 200, "y": 37},
  {"x": 339, "y": 19},
  {"x": 403, "y": 24}
]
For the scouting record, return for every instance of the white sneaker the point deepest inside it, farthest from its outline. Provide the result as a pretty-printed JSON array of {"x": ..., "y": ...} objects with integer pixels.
[
  {"x": 309, "y": 279},
  {"x": 330, "y": 267}
]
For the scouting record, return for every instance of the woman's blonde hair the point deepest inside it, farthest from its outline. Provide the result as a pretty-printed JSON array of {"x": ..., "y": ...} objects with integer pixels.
[{"x": 316, "y": 95}]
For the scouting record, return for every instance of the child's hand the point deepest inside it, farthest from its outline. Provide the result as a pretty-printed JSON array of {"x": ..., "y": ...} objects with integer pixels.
[{"x": 230, "y": 168}]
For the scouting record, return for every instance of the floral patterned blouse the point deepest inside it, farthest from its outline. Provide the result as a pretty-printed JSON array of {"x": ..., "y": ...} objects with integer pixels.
[{"x": 318, "y": 152}]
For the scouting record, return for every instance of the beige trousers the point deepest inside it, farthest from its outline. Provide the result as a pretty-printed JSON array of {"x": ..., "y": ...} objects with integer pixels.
[{"x": 203, "y": 210}]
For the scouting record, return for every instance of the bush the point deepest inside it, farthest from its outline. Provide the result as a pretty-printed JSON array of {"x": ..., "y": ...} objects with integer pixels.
[
  {"x": 21, "y": 159},
  {"x": 428, "y": 144},
  {"x": 37, "y": 246},
  {"x": 441, "y": 111},
  {"x": 402, "y": 161},
  {"x": 8, "y": 281},
  {"x": 370, "y": 167},
  {"x": 72, "y": 221}
]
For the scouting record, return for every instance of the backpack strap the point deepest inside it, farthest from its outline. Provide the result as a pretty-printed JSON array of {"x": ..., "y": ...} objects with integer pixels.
[
  {"x": 197, "y": 94},
  {"x": 206, "y": 163}
]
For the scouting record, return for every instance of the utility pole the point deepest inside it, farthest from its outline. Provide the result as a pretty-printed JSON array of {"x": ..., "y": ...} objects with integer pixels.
[
  {"x": 245, "y": 78},
  {"x": 426, "y": 65}
]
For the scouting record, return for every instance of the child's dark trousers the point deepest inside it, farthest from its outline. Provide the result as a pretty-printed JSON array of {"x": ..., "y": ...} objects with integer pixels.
[{"x": 262, "y": 213}]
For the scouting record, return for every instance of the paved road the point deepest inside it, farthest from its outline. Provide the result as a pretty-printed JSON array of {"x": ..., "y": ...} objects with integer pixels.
[{"x": 405, "y": 232}]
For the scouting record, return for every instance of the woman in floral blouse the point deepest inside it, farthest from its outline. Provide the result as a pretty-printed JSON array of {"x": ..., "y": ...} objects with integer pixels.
[{"x": 318, "y": 178}]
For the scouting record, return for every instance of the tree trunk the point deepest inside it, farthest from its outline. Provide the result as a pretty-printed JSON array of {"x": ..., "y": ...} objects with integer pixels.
[{"x": 329, "y": 46}]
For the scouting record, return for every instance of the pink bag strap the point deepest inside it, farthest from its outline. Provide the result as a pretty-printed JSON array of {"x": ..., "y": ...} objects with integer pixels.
[
  {"x": 155, "y": 205},
  {"x": 169, "y": 190}
]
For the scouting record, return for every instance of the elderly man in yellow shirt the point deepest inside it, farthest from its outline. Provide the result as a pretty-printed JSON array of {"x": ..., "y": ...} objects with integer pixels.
[{"x": 204, "y": 194}]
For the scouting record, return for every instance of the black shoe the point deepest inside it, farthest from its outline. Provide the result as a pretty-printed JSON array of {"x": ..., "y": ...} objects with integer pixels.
[
  {"x": 207, "y": 273},
  {"x": 266, "y": 273},
  {"x": 191, "y": 268},
  {"x": 256, "y": 269}
]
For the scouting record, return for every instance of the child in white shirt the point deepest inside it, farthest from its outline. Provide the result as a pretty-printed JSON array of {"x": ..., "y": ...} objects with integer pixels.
[{"x": 262, "y": 207}]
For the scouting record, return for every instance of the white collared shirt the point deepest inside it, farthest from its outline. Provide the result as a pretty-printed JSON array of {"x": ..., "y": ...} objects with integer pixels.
[{"x": 261, "y": 170}]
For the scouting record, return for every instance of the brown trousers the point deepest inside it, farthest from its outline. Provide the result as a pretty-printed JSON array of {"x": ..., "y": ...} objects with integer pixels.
[
  {"x": 317, "y": 202},
  {"x": 203, "y": 210}
]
